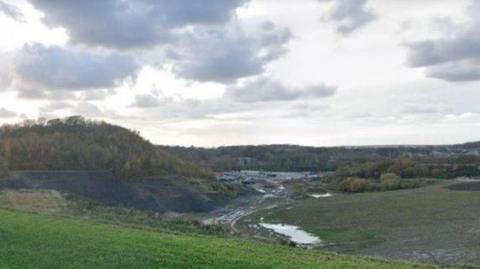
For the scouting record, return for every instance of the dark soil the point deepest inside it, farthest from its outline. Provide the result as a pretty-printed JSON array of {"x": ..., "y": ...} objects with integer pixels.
[
  {"x": 103, "y": 187},
  {"x": 465, "y": 186}
]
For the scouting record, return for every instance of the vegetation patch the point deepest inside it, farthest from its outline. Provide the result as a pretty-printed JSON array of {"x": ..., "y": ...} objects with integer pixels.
[
  {"x": 347, "y": 239},
  {"x": 75, "y": 143},
  {"x": 51, "y": 242}
]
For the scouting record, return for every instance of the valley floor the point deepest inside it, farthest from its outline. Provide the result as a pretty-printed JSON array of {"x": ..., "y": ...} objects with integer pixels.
[{"x": 430, "y": 224}]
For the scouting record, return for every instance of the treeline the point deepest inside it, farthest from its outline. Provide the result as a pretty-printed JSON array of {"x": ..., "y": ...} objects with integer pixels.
[
  {"x": 75, "y": 143},
  {"x": 402, "y": 173},
  {"x": 415, "y": 167},
  {"x": 406, "y": 161},
  {"x": 280, "y": 157},
  {"x": 3, "y": 161}
]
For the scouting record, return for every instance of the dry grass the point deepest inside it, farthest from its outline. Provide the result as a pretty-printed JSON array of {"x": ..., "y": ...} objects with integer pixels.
[{"x": 39, "y": 201}]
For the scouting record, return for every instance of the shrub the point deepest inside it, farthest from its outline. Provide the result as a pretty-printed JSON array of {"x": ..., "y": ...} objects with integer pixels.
[
  {"x": 390, "y": 181},
  {"x": 354, "y": 184}
]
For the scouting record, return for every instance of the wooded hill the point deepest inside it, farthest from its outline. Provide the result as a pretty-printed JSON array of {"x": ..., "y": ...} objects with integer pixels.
[{"x": 75, "y": 143}]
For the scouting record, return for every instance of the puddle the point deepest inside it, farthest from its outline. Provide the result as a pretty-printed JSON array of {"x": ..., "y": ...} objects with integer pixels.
[
  {"x": 260, "y": 190},
  {"x": 294, "y": 233},
  {"x": 317, "y": 196}
]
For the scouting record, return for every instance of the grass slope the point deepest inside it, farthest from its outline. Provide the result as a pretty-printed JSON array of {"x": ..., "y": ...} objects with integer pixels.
[{"x": 36, "y": 241}]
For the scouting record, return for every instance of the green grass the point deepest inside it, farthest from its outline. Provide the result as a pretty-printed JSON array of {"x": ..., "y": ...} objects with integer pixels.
[
  {"x": 39, "y": 241},
  {"x": 429, "y": 223},
  {"x": 347, "y": 239}
]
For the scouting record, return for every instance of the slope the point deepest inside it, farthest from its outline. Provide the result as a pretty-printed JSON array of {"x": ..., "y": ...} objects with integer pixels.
[{"x": 35, "y": 241}]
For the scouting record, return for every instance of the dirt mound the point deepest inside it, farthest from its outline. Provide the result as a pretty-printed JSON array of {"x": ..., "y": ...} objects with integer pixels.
[
  {"x": 105, "y": 188},
  {"x": 465, "y": 186}
]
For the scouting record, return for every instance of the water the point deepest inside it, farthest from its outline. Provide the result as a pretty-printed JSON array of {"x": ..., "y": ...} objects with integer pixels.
[
  {"x": 294, "y": 233},
  {"x": 317, "y": 196}
]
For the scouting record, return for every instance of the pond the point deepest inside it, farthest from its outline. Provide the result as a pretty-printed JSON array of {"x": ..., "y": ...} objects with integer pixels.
[
  {"x": 294, "y": 233},
  {"x": 317, "y": 196}
]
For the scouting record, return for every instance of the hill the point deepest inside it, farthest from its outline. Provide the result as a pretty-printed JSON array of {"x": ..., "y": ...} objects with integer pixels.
[
  {"x": 104, "y": 164},
  {"x": 77, "y": 144},
  {"x": 36, "y": 241}
]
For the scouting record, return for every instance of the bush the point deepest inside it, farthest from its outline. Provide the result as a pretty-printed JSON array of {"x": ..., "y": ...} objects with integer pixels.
[
  {"x": 354, "y": 184},
  {"x": 390, "y": 181}
]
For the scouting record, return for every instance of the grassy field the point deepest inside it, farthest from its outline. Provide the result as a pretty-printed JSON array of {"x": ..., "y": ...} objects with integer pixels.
[
  {"x": 429, "y": 224},
  {"x": 38, "y": 241}
]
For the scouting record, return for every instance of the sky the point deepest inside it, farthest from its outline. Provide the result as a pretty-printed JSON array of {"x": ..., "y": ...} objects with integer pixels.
[{"x": 231, "y": 72}]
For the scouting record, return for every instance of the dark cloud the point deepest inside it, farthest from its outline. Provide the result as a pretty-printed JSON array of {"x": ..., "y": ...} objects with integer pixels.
[
  {"x": 455, "y": 71},
  {"x": 463, "y": 46},
  {"x": 11, "y": 11},
  {"x": 5, "y": 113},
  {"x": 56, "y": 68},
  {"x": 128, "y": 23},
  {"x": 266, "y": 90},
  {"x": 201, "y": 39},
  {"x": 227, "y": 53},
  {"x": 453, "y": 58},
  {"x": 349, "y": 15}
]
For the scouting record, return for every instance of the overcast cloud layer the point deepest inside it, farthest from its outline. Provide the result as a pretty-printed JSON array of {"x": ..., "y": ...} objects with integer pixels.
[{"x": 314, "y": 72}]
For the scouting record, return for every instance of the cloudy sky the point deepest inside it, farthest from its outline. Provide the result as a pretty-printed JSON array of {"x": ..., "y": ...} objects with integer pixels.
[{"x": 222, "y": 72}]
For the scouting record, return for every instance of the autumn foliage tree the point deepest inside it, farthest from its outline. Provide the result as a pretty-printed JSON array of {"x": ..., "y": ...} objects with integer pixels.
[{"x": 75, "y": 143}]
